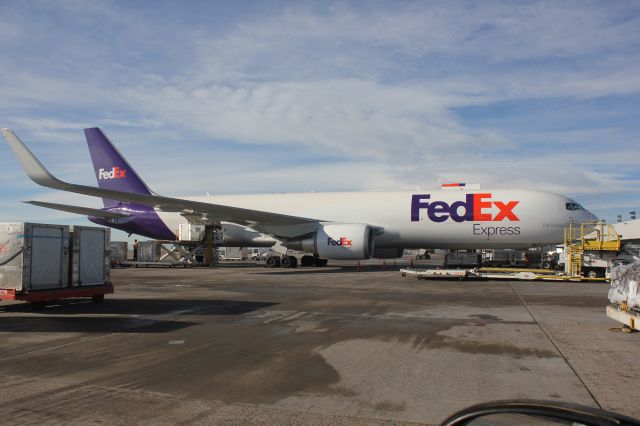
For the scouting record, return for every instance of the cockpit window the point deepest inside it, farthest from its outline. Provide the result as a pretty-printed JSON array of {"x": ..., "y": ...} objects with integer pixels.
[{"x": 574, "y": 206}]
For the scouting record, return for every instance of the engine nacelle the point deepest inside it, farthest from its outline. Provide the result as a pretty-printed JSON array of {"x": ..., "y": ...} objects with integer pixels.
[
  {"x": 388, "y": 253},
  {"x": 340, "y": 241}
]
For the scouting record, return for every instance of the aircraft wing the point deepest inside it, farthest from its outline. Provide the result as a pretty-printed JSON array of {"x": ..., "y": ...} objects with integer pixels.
[
  {"x": 270, "y": 223},
  {"x": 78, "y": 210}
]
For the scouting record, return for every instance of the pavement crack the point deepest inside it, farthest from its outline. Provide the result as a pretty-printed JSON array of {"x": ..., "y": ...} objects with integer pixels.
[{"x": 546, "y": 333}]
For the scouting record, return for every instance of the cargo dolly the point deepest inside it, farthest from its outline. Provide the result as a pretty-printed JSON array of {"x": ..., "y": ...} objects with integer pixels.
[
  {"x": 623, "y": 314},
  {"x": 160, "y": 264},
  {"x": 525, "y": 274},
  {"x": 42, "y": 263}
]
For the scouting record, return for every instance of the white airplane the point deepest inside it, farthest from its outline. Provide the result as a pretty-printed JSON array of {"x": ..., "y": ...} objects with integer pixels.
[{"x": 344, "y": 225}]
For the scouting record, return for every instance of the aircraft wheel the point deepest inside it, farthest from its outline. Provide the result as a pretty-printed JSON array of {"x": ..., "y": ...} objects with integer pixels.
[
  {"x": 288, "y": 262},
  {"x": 306, "y": 260},
  {"x": 320, "y": 262},
  {"x": 273, "y": 262}
]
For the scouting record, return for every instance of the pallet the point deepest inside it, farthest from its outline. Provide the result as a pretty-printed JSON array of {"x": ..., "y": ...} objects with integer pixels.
[{"x": 630, "y": 317}]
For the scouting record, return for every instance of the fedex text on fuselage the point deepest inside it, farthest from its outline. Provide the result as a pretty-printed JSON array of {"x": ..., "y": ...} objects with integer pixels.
[{"x": 475, "y": 208}]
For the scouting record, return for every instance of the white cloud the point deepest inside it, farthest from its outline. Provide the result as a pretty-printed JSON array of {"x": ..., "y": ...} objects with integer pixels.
[
  {"x": 372, "y": 91},
  {"x": 357, "y": 118}
]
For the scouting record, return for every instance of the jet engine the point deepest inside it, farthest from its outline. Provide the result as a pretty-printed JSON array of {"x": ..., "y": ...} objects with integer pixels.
[{"x": 340, "y": 241}]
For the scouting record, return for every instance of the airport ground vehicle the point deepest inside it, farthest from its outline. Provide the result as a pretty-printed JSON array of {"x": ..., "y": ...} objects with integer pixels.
[{"x": 589, "y": 249}]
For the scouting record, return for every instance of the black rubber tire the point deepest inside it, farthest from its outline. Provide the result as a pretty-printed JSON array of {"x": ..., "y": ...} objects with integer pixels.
[
  {"x": 306, "y": 260},
  {"x": 321, "y": 262},
  {"x": 273, "y": 262},
  {"x": 286, "y": 262},
  {"x": 592, "y": 273},
  {"x": 294, "y": 262},
  {"x": 546, "y": 265}
]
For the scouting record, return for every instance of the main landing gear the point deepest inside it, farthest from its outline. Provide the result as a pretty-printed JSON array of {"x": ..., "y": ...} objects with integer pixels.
[
  {"x": 292, "y": 261},
  {"x": 313, "y": 261}
]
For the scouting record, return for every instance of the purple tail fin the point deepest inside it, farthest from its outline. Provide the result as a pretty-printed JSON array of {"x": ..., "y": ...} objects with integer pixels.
[{"x": 112, "y": 170}]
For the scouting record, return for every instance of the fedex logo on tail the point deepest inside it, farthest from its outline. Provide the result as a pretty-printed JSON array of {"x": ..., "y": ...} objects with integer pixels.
[
  {"x": 475, "y": 208},
  {"x": 114, "y": 173}
]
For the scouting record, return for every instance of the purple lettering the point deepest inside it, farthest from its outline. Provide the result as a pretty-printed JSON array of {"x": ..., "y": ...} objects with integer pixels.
[
  {"x": 417, "y": 204},
  {"x": 438, "y": 211}
]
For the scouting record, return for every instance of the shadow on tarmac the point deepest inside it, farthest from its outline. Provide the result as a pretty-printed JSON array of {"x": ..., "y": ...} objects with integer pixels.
[
  {"x": 143, "y": 307},
  {"x": 90, "y": 325},
  {"x": 81, "y": 315}
]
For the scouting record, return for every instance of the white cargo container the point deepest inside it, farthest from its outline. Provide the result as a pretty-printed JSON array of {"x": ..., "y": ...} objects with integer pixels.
[
  {"x": 118, "y": 252},
  {"x": 191, "y": 232},
  {"x": 149, "y": 251},
  {"x": 90, "y": 255},
  {"x": 33, "y": 256}
]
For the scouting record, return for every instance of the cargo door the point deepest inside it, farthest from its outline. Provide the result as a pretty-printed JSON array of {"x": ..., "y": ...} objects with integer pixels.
[
  {"x": 47, "y": 245},
  {"x": 92, "y": 257}
]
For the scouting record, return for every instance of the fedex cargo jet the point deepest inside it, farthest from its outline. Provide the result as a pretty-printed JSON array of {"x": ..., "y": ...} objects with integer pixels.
[{"x": 347, "y": 225}]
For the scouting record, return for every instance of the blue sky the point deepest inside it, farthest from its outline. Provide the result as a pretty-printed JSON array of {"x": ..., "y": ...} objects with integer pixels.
[{"x": 254, "y": 97}]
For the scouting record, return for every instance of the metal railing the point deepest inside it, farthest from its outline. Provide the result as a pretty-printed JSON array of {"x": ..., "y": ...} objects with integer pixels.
[{"x": 587, "y": 236}]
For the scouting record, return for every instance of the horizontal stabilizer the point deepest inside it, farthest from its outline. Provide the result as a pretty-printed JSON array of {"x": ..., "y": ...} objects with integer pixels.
[{"x": 87, "y": 211}]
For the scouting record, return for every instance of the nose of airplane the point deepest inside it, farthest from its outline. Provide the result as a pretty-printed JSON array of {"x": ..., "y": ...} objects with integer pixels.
[
  {"x": 578, "y": 214},
  {"x": 590, "y": 217}
]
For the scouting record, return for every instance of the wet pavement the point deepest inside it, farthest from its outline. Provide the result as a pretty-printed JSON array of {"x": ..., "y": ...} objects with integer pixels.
[{"x": 308, "y": 346}]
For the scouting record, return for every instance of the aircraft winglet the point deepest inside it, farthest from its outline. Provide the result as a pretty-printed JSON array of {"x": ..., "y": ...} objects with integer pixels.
[{"x": 34, "y": 168}]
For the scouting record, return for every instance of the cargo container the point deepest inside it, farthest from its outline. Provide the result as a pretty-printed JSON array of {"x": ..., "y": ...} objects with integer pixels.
[
  {"x": 34, "y": 256},
  {"x": 89, "y": 255},
  {"x": 460, "y": 259},
  {"x": 118, "y": 252},
  {"x": 191, "y": 232},
  {"x": 149, "y": 251},
  {"x": 38, "y": 264}
]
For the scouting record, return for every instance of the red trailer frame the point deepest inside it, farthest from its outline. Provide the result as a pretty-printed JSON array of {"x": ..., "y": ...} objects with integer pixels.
[{"x": 96, "y": 292}]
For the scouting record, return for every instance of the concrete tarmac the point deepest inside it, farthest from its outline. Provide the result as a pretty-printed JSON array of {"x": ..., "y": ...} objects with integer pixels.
[{"x": 309, "y": 346}]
